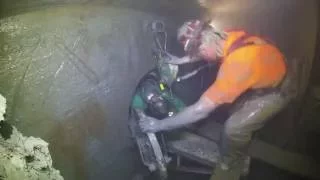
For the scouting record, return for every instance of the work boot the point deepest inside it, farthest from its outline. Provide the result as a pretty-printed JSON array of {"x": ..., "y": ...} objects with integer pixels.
[
  {"x": 228, "y": 162},
  {"x": 229, "y": 168},
  {"x": 246, "y": 166}
]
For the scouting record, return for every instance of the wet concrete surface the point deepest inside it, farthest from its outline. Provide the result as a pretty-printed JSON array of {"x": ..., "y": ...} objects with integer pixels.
[
  {"x": 187, "y": 176},
  {"x": 258, "y": 170},
  {"x": 264, "y": 171},
  {"x": 177, "y": 10},
  {"x": 68, "y": 74}
]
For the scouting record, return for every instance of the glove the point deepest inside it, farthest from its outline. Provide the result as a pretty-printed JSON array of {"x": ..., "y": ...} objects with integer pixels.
[
  {"x": 149, "y": 124},
  {"x": 171, "y": 59}
]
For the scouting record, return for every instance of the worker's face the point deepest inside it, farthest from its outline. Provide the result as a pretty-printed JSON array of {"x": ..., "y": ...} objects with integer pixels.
[{"x": 208, "y": 52}]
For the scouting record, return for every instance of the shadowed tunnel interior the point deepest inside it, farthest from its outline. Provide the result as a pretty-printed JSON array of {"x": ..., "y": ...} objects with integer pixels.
[{"x": 69, "y": 68}]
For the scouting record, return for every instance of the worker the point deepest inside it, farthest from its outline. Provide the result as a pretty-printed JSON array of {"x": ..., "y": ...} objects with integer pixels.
[{"x": 248, "y": 63}]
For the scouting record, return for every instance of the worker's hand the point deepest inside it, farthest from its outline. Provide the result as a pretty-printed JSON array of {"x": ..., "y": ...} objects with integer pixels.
[
  {"x": 149, "y": 124},
  {"x": 171, "y": 59},
  {"x": 183, "y": 60}
]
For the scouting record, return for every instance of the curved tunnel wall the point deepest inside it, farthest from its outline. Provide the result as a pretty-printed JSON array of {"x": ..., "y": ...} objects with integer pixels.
[{"x": 68, "y": 72}]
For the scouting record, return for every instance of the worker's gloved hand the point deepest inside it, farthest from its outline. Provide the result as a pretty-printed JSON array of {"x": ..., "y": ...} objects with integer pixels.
[
  {"x": 149, "y": 124},
  {"x": 171, "y": 59}
]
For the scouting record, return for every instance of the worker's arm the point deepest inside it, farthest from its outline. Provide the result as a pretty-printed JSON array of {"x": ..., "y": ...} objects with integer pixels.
[
  {"x": 191, "y": 114},
  {"x": 233, "y": 79}
]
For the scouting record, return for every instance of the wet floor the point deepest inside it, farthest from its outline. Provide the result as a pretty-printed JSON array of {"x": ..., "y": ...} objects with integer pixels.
[
  {"x": 259, "y": 170},
  {"x": 187, "y": 176}
]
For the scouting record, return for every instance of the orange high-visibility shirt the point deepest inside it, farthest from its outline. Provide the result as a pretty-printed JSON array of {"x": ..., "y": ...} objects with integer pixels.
[{"x": 252, "y": 66}]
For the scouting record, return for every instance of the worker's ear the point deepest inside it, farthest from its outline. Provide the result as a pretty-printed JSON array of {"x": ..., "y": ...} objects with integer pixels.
[{"x": 218, "y": 31}]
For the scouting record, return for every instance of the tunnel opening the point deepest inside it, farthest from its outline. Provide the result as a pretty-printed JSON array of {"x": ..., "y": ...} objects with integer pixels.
[{"x": 69, "y": 69}]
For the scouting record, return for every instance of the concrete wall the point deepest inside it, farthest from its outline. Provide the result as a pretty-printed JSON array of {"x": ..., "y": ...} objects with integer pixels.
[
  {"x": 69, "y": 73},
  {"x": 175, "y": 9}
]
